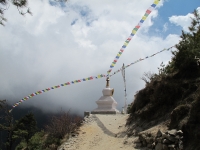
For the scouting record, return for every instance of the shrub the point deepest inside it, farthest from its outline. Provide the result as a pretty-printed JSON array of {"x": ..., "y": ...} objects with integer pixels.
[
  {"x": 178, "y": 114},
  {"x": 36, "y": 141}
]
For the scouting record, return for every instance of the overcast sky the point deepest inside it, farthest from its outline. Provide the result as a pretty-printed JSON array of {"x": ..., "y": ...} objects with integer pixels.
[{"x": 80, "y": 38}]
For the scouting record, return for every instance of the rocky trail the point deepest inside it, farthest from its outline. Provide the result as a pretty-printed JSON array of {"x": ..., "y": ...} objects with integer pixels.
[
  {"x": 100, "y": 132},
  {"x": 108, "y": 132}
]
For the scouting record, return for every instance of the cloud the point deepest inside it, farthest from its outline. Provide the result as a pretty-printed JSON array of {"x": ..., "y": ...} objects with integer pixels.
[
  {"x": 73, "y": 41},
  {"x": 183, "y": 21},
  {"x": 165, "y": 27}
]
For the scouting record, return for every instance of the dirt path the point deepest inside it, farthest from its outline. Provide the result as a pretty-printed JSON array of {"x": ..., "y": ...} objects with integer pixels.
[{"x": 101, "y": 132}]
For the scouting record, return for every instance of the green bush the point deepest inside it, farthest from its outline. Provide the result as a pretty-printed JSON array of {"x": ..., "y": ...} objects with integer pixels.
[
  {"x": 51, "y": 142},
  {"x": 179, "y": 113},
  {"x": 36, "y": 141}
]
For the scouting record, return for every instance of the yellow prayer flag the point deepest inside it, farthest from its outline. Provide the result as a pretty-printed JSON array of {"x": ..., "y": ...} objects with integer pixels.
[
  {"x": 133, "y": 31},
  {"x": 125, "y": 43},
  {"x": 156, "y": 2},
  {"x": 144, "y": 18}
]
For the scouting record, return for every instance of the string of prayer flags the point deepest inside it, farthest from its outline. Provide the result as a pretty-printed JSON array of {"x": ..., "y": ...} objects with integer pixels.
[
  {"x": 55, "y": 87},
  {"x": 148, "y": 11},
  {"x": 139, "y": 61}
]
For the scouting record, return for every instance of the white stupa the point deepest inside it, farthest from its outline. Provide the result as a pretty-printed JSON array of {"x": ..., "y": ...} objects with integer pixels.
[{"x": 106, "y": 103}]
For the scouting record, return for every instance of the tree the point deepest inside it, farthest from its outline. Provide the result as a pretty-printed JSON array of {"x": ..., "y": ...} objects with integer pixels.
[
  {"x": 25, "y": 128},
  {"x": 2, "y": 102},
  {"x": 36, "y": 142},
  {"x": 21, "y": 5},
  {"x": 7, "y": 124},
  {"x": 62, "y": 124},
  {"x": 187, "y": 50},
  {"x": 148, "y": 77}
]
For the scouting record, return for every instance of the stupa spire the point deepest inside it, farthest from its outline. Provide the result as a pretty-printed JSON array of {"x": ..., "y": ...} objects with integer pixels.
[{"x": 107, "y": 82}]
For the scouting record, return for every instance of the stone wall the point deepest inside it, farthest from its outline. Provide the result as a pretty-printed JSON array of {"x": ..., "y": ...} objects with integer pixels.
[{"x": 169, "y": 140}]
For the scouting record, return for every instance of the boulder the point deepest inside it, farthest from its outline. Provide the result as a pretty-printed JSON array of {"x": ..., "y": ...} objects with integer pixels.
[
  {"x": 159, "y": 146},
  {"x": 153, "y": 145},
  {"x": 179, "y": 132},
  {"x": 138, "y": 144},
  {"x": 172, "y": 132},
  {"x": 144, "y": 143},
  {"x": 149, "y": 146},
  {"x": 165, "y": 147},
  {"x": 171, "y": 146},
  {"x": 169, "y": 137},
  {"x": 166, "y": 141},
  {"x": 159, "y": 133},
  {"x": 180, "y": 145},
  {"x": 172, "y": 138},
  {"x": 149, "y": 140},
  {"x": 137, "y": 140},
  {"x": 159, "y": 140},
  {"x": 142, "y": 137}
]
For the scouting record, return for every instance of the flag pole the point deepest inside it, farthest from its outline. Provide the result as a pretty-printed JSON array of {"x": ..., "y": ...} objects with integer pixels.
[{"x": 125, "y": 95}]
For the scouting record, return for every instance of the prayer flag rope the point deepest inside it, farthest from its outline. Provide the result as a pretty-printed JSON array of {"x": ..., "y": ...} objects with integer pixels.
[
  {"x": 55, "y": 87},
  {"x": 139, "y": 61},
  {"x": 148, "y": 11}
]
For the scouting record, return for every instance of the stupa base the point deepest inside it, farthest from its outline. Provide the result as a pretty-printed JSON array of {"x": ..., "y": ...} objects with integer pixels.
[{"x": 104, "y": 112}]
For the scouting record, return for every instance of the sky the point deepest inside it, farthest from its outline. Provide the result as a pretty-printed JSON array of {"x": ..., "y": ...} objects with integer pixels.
[{"x": 80, "y": 38}]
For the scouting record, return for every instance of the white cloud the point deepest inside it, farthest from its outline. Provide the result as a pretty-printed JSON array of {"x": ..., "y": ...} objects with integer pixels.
[
  {"x": 165, "y": 27},
  {"x": 45, "y": 49},
  {"x": 183, "y": 21}
]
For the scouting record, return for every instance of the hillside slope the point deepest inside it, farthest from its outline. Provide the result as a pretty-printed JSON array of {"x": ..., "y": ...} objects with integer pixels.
[
  {"x": 172, "y": 100},
  {"x": 173, "y": 95}
]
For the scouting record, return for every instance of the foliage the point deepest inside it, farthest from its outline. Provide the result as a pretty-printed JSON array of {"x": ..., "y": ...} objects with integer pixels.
[
  {"x": 59, "y": 125},
  {"x": 129, "y": 109},
  {"x": 148, "y": 77},
  {"x": 55, "y": 131},
  {"x": 35, "y": 142},
  {"x": 25, "y": 128},
  {"x": 51, "y": 142},
  {"x": 7, "y": 124},
  {"x": 21, "y": 6},
  {"x": 179, "y": 114},
  {"x": 23, "y": 133},
  {"x": 2, "y": 102},
  {"x": 21, "y": 145},
  {"x": 172, "y": 96},
  {"x": 62, "y": 124},
  {"x": 188, "y": 48}
]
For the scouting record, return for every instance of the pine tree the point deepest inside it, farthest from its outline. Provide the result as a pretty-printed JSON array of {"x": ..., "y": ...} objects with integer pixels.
[
  {"x": 6, "y": 124},
  {"x": 25, "y": 128},
  {"x": 188, "y": 49}
]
